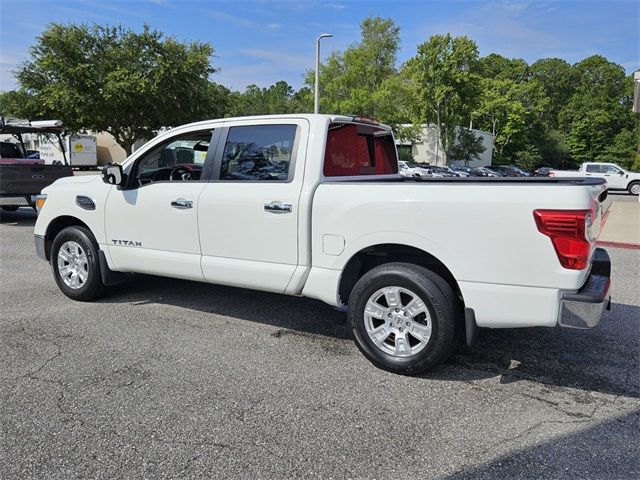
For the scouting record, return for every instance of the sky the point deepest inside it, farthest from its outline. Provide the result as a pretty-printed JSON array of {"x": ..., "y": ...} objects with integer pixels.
[{"x": 262, "y": 42}]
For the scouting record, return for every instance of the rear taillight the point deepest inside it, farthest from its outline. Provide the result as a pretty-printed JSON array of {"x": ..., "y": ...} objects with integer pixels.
[{"x": 568, "y": 230}]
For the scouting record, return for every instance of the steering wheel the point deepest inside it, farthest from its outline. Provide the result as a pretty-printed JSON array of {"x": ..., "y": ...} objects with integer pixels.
[{"x": 180, "y": 174}]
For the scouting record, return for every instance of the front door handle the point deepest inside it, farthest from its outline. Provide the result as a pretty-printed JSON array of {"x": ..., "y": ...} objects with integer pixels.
[
  {"x": 278, "y": 207},
  {"x": 182, "y": 204}
]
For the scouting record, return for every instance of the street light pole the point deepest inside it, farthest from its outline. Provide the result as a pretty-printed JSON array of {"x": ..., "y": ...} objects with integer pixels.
[{"x": 316, "y": 101}]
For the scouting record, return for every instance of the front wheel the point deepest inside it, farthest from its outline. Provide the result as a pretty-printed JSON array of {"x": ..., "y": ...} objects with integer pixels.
[
  {"x": 75, "y": 264},
  {"x": 634, "y": 188},
  {"x": 404, "y": 318}
]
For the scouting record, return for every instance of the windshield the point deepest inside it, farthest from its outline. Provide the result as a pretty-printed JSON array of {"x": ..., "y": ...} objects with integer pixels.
[{"x": 409, "y": 164}]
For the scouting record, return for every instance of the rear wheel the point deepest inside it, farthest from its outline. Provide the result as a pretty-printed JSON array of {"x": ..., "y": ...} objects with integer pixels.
[
  {"x": 404, "y": 318},
  {"x": 74, "y": 260},
  {"x": 634, "y": 188}
]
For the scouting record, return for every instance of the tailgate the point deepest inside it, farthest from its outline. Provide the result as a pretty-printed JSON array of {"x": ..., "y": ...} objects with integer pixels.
[
  {"x": 30, "y": 179},
  {"x": 599, "y": 207}
]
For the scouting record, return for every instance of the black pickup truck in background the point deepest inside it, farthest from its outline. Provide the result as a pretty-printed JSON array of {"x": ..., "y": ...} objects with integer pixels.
[{"x": 21, "y": 179}]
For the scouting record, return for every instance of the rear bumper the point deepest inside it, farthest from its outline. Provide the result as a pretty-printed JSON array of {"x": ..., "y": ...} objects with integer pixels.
[{"x": 584, "y": 308}]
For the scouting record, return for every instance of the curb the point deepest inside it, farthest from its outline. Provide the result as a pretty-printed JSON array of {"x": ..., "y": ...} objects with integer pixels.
[{"x": 629, "y": 246}]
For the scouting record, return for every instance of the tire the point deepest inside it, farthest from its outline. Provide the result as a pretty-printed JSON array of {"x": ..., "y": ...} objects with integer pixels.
[
  {"x": 436, "y": 326},
  {"x": 634, "y": 188},
  {"x": 9, "y": 208},
  {"x": 81, "y": 280}
]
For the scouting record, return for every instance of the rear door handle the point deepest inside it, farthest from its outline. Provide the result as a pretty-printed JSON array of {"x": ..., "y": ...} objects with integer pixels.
[
  {"x": 182, "y": 204},
  {"x": 278, "y": 207}
]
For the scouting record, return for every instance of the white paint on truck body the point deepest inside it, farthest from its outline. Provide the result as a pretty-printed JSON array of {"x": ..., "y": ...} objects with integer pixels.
[{"x": 483, "y": 232}]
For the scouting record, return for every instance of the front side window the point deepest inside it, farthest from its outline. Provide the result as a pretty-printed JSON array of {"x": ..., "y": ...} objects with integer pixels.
[
  {"x": 611, "y": 169},
  {"x": 180, "y": 159},
  {"x": 258, "y": 152}
]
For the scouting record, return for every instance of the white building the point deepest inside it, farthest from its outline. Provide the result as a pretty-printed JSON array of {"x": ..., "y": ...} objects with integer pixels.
[{"x": 428, "y": 148}]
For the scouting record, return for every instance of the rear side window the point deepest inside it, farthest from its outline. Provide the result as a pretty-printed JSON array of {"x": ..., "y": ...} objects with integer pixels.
[
  {"x": 258, "y": 152},
  {"x": 594, "y": 169},
  {"x": 354, "y": 149}
]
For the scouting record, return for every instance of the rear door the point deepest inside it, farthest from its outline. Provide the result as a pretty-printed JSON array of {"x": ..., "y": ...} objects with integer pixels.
[{"x": 248, "y": 213}]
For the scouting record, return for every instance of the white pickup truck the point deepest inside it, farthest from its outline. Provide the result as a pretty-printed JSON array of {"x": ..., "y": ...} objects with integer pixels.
[
  {"x": 617, "y": 177},
  {"x": 314, "y": 206}
]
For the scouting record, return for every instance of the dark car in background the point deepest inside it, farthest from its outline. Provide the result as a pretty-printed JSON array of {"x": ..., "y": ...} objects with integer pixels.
[
  {"x": 509, "y": 171},
  {"x": 22, "y": 178},
  {"x": 444, "y": 171},
  {"x": 542, "y": 171},
  {"x": 470, "y": 171}
]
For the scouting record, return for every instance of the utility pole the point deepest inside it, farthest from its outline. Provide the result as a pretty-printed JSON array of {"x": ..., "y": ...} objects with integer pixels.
[{"x": 316, "y": 102}]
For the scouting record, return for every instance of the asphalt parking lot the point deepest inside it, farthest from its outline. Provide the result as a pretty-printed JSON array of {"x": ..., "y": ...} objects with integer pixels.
[{"x": 165, "y": 378}]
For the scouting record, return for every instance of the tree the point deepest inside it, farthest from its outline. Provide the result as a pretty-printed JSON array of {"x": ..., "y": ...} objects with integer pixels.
[
  {"x": 599, "y": 108},
  {"x": 556, "y": 78},
  {"x": 502, "y": 68},
  {"x": 351, "y": 79},
  {"x": 511, "y": 112},
  {"x": 467, "y": 147},
  {"x": 277, "y": 99},
  {"x": 528, "y": 158},
  {"x": 446, "y": 86},
  {"x": 115, "y": 80},
  {"x": 622, "y": 149}
]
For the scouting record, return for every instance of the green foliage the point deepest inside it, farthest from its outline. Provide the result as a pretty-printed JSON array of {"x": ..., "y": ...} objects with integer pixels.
[
  {"x": 130, "y": 84},
  {"x": 529, "y": 158},
  {"x": 279, "y": 98},
  {"x": 351, "y": 81},
  {"x": 623, "y": 149},
  {"x": 116, "y": 80},
  {"x": 556, "y": 78},
  {"x": 509, "y": 110},
  {"x": 501, "y": 68},
  {"x": 447, "y": 89},
  {"x": 467, "y": 147},
  {"x": 404, "y": 153}
]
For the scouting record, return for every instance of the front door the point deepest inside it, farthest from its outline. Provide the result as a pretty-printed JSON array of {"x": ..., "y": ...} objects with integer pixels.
[
  {"x": 248, "y": 215},
  {"x": 152, "y": 223},
  {"x": 615, "y": 177}
]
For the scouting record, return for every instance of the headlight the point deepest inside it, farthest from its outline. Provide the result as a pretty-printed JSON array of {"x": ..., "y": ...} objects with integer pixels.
[{"x": 40, "y": 199}]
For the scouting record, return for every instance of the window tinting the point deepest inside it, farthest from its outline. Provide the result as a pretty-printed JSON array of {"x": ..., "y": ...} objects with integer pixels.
[
  {"x": 258, "y": 152},
  {"x": 594, "y": 169},
  {"x": 354, "y": 149}
]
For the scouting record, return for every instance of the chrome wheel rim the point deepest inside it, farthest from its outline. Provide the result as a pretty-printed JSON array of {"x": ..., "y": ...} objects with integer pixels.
[
  {"x": 397, "y": 321},
  {"x": 73, "y": 265}
]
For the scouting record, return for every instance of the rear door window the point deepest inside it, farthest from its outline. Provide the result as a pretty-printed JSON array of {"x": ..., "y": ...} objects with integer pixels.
[
  {"x": 594, "y": 168},
  {"x": 356, "y": 149},
  {"x": 259, "y": 153}
]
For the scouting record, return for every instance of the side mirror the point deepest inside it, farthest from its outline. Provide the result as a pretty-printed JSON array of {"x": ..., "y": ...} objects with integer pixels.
[{"x": 112, "y": 174}]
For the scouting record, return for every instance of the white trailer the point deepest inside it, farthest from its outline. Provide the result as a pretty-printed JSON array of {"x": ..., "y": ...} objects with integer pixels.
[{"x": 81, "y": 151}]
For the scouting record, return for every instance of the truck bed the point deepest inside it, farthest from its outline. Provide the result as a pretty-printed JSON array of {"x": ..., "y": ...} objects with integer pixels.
[{"x": 589, "y": 181}]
